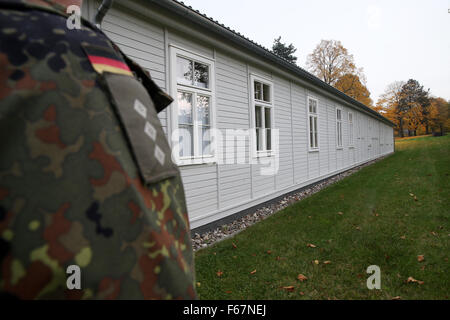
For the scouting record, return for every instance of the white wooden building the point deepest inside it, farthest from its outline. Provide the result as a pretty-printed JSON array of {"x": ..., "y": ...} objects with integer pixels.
[{"x": 221, "y": 80}]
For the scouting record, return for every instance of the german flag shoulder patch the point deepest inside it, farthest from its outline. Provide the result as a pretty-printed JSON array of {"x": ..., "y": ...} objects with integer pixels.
[{"x": 104, "y": 59}]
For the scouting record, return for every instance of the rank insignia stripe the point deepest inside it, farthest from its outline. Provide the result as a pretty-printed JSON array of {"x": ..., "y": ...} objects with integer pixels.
[{"x": 105, "y": 59}]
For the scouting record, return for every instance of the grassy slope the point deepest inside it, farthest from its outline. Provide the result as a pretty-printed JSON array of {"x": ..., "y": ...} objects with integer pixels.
[{"x": 351, "y": 241}]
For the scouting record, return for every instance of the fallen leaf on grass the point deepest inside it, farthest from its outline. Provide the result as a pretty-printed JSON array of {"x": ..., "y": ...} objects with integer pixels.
[
  {"x": 340, "y": 213},
  {"x": 397, "y": 298},
  {"x": 219, "y": 273},
  {"x": 253, "y": 272},
  {"x": 358, "y": 228},
  {"x": 302, "y": 278},
  {"x": 411, "y": 194},
  {"x": 198, "y": 284},
  {"x": 420, "y": 258},
  {"x": 415, "y": 198},
  {"x": 433, "y": 233},
  {"x": 234, "y": 246},
  {"x": 411, "y": 279},
  {"x": 269, "y": 252},
  {"x": 316, "y": 261},
  {"x": 301, "y": 293},
  {"x": 327, "y": 262},
  {"x": 289, "y": 288},
  {"x": 403, "y": 237},
  {"x": 310, "y": 245}
]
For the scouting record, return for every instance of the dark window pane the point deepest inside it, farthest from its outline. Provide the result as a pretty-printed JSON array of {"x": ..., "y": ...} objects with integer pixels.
[
  {"x": 268, "y": 139},
  {"x": 267, "y": 118},
  {"x": 313, "y": 106},
  {"x": 258, "y": 116},
  {"x": 266, "y": 93},
  {"x": 258, "y": 90},
  {"x": 258, "y": 140},
  {"x": 201, "y": 75}
]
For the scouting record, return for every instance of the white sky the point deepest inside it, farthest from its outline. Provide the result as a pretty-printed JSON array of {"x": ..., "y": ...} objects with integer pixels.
[{"x": 392, "y": 40}]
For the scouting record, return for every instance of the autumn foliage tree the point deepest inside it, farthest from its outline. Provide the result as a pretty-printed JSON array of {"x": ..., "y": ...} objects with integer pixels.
[
  {"x": 388, "y": 103},
  {"x": 331, "y": 62},
  {"x": 414, "y": 104},
  {"x": 353, "y": 86},
  {"x": 439, "y": 115},
  {"x": 411, "y": 108}
]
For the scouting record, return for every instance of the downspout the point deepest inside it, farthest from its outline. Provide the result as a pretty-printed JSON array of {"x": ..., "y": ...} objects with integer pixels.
[{"x": 101, "y": 12}]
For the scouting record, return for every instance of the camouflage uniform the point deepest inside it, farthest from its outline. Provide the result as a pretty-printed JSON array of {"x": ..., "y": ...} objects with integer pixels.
[{"x": 86, "y": 176}]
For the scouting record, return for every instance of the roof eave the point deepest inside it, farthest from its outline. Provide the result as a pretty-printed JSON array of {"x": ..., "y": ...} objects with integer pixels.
[{"x": 196, "y": 17}]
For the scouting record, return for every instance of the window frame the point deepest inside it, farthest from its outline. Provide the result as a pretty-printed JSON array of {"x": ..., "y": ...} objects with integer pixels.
[
  {"x": 316, "y": 115},
  {"x": 175, "y": 87},
  {"x": 339, "y": 144},
  {"x": 264, "y": 104},
  {"x": 351, "y": 130}
]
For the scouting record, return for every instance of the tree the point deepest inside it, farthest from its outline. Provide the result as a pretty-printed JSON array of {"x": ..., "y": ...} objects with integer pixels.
[
  {"x": 389, "y": 102},
  {"x": 284, "y": 51},
  {"x": 439, "y": 114},
  {"x": 330, "y": 61},
  {"x": 414, "y": 104},
  {"x": 353, "y": 86}
]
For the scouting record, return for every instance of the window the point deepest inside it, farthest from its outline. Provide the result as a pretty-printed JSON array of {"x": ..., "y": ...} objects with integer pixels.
[
  {"x": 350, "y": 129},
  {"x": 193, "y": 110},
  {"x": 262, "y": 116},
  {"x": 339, "y": 127},
  {"x": 312, "y": 124}
]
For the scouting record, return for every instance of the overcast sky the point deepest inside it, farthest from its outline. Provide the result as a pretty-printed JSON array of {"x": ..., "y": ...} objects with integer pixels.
[{"x": 392, "y": 40}]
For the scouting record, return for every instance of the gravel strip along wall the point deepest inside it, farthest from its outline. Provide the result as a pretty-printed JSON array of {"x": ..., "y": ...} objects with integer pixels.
[{"x": 200, "y": 241}]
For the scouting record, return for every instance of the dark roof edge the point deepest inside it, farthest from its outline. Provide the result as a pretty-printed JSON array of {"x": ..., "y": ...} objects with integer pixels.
[{"x": 200, "y": 19}]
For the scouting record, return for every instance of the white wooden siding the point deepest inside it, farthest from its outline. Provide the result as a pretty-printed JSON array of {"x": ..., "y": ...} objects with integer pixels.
[{"x": 214, "y": 191}]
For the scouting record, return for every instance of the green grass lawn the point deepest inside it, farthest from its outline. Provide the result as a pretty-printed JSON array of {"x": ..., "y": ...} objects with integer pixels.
[{"x": 381, "y": 224}]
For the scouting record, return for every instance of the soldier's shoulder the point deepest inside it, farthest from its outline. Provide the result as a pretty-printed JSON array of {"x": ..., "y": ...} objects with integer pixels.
[{"x": 37, "y": 4}]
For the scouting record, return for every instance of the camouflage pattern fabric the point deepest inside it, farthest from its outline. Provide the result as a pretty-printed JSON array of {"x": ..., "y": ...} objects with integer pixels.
[{"x": 71, "y": 189}]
